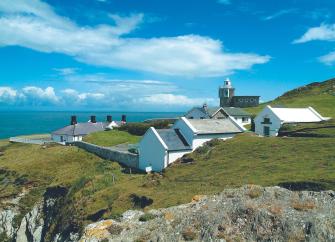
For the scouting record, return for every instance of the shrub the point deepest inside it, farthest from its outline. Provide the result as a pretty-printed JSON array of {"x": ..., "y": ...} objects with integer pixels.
[
  {"x": 139, "y": 129},
  {"x": 189, "y": 234},
  {"x": 254, "y": 191},
  {"x": 115, "y": 229},
  {"x": 303, "y": 206},
  {"x": 146, "y": 217}
]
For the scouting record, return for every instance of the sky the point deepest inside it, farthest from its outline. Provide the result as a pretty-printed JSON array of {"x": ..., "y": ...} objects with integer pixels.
[{"x": 153, "y": 55}]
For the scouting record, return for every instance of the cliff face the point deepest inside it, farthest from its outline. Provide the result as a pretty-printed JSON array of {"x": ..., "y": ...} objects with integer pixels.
[
  {"x": 39, "y": 224},
  {"x": 250, "y": 213}
]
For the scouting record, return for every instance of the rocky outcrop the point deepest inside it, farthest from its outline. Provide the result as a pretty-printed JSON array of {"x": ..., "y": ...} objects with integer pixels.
[
  {"x": 35, "y": 225},
  {"x": 251, "y": 213}
]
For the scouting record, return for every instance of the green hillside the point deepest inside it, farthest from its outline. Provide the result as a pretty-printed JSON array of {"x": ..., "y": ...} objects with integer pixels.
[
  {"x": 97, "y": 188},
  {"x": 319, "y": 95}
]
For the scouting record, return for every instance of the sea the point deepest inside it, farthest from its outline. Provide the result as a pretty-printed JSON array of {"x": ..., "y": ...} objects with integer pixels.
[{"x": 15, "y": 123}]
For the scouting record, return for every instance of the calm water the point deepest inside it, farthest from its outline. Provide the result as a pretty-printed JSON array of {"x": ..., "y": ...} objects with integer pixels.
[{"x": 35, "y": 122}]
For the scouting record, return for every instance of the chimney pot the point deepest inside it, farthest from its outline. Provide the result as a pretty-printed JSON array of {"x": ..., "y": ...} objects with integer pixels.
[
  {"x": 124, "y": 118},
  {"x": 93, "y": 119},
  {"x": 73, "y": 120},
  {"x": 109, "y": 118}
]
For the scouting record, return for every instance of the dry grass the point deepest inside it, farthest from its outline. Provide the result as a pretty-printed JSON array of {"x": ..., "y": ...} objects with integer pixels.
[
  {"x": 276, "y": 209},
  {"x": 303, "y": 205},
  {"x": 254, "y": 191},
  {"x": 189, "y": 234}
]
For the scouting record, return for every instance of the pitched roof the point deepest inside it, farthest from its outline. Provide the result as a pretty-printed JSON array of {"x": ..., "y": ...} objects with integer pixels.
[
  {"x": 215, "y": 126},
  {"x": 173, "y": 139},
  {"x": 81, "y": 128},
  {"x": 209, "y": 112},
  {"x": 297, "y": 115},
  {"x": 236, "y": 111}
]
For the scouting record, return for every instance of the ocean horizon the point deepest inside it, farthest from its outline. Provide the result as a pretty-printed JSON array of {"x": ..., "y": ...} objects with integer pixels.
[{"x": 15, "y": 123}]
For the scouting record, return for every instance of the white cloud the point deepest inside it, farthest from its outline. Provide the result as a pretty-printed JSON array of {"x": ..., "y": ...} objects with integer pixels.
[
  {"x": 39, "y": 96},
  {"x": 280, "y": 13},
  {"x": 225, "y": 2},
  {"x": 173, "y": 100},
  {"x": 34, "y": 25},
  {"x": 324, "y": 32},
  {"x": 66, "y": 71},
  {"x": 328, "y": 59},
  {"x": 7, "y": 95}
]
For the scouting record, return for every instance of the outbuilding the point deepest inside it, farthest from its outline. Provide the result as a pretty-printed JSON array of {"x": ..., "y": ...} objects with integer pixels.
[
  {"x": 204, "y": 112},
  {"x": 76, "y": 131},
  {"x": 159, "y": 148},
  {"x": 270, "y": 119}
]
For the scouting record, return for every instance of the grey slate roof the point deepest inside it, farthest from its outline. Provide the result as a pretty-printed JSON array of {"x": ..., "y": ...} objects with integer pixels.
[
  {"x": 215, "y": 126},
  {"x": 236, "y": 112},
  {"x": 173, "y": 139},
  {"x": 209, "y": 112},
  {"x": 81, "y": 128}
]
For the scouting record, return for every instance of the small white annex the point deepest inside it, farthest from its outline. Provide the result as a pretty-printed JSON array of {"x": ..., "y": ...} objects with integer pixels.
[
  {"x": 270, "y": 119},
  {"x": 161, "y": 147},
  {"x": 204, "y": 112}
]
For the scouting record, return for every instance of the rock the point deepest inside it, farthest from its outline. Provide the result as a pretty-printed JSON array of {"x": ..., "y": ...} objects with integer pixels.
[
  {"x": 250, "y": 213},
  {"x": 31, "y": 226},
  {"x": 6, "y": 222}
]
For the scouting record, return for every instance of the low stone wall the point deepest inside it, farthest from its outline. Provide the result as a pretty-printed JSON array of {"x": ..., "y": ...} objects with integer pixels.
[{"x": 124, "y": 158}]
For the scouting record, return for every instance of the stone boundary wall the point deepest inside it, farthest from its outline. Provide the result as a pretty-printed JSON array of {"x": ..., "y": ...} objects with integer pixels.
[{"x": 122, "y": 157}]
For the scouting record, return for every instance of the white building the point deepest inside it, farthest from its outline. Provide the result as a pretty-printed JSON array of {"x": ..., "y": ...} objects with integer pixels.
[
  {"x": 269, "y": 121},
  {"x": 204, "y": 112},
  {"x": 159, "y": 148},
  {"x": 76, "y": 131}
]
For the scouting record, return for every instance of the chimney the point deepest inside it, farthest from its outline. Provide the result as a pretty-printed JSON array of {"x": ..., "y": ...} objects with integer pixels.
[
  {"x": 73, "y": 120},
  {"x": 93, "y": 119},
  {"x": 204, "y": 106},
  {"x": 109, "y": 118},
  {"x": 124, "y": 119}
]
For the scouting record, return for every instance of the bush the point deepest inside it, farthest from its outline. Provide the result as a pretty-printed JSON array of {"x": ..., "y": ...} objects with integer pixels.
[
  {"x": 189, "y": 234},
  {"x": 115, "y": 229},
  {"x": 146, "y": 217},
  {"x": 139, "y": 129}
]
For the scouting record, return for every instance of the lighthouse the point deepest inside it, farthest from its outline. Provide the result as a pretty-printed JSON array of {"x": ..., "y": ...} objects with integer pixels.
[{"x": 226, "y": 93}]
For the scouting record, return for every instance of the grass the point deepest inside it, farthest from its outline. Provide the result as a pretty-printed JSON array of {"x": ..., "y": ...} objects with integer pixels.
[
  {"x": 111, "y": 138},
  {"x": 321, "y": 96},
  {"x": 246, "y": 159},
  {"x": 323, "y": 129}
]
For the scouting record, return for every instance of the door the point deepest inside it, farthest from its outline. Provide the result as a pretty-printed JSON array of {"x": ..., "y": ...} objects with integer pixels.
[{"x": 266, "y": 131}]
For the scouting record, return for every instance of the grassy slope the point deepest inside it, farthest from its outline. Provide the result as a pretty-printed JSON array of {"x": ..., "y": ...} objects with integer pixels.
[
  {"x": 244, "y": 159},
  {"x": 111, "y": 138},
  {"x": 320, "y": 96}
]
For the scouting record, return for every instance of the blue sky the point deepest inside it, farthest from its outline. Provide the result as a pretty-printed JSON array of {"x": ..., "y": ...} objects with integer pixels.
[{"x": 150, "y": 55}]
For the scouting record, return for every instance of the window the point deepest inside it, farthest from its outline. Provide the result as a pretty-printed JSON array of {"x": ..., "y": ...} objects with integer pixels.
[
  {"x": 245, "y": 119},
  {"x": 266, "y": 120}
]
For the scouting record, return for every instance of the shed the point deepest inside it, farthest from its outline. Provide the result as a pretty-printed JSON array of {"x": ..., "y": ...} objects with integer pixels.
[{"x": 270, "y": 119}]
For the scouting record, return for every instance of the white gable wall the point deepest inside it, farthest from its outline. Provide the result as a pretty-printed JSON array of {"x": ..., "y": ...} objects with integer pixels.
[
  {"x": 152, "y": 152},
  {"x": 185, "y": 130},
  {"x": 275, "y": 122}
]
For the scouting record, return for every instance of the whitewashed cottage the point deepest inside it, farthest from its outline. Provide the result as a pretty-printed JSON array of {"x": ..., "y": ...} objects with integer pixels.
[
  {"x": 270, "y": 120},
  {"x": 159, "y": 148}
]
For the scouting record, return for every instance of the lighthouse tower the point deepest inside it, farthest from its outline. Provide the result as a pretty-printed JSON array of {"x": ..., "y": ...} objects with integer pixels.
[{"x": 226, "y": 92}]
